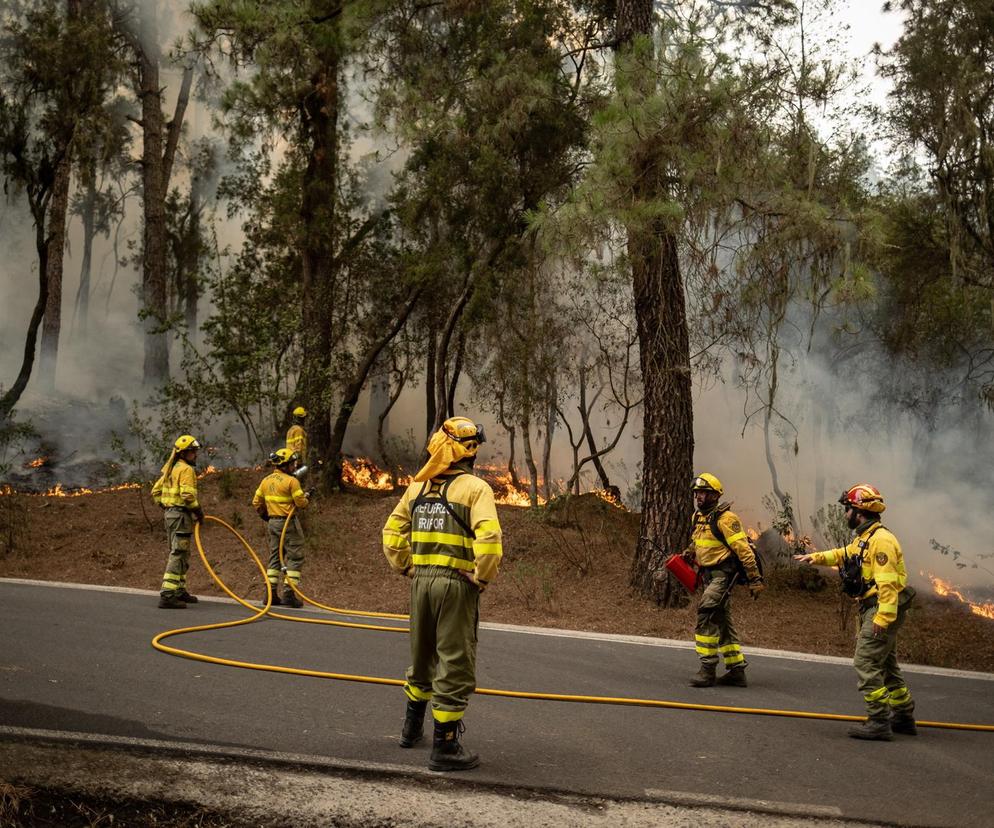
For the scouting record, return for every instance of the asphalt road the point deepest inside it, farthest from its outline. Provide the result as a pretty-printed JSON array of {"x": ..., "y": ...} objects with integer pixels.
[{"x": 80, "y": 660}]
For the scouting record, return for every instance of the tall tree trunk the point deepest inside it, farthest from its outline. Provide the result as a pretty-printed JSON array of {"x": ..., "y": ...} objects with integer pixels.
[
  {"x": 550, "y": 433},
  {"x": 56, "y": 242},
  {"x": 530, "y": 460},
  {"x": 155, "y": 371},
  {"x": 664, "y": 351},
  {"x": 82, "y": 310},
  {"x": 430, "y": 384},
  {"x": 319, "y": 114},
  {"x": 39, "y": 205}
]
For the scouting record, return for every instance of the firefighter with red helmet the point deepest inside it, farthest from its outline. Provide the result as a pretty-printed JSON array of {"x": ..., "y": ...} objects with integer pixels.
[
  {"x": 445, "y": 535},
  {"x": 724, "y": 556},
  {"x": 176, "y": 493},
  {"x": 277, "y": 494},
  {"x": 872, "y": 569}
]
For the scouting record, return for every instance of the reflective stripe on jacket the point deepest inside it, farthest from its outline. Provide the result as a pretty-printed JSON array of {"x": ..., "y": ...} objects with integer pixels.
[
  {"x": 421, "y": 531},
  {"x": 883, "y": 563},
  {"x": 280, "y": 492},
  {"x": 710, "y": 551},
  {"x": 178, "y": 487}
]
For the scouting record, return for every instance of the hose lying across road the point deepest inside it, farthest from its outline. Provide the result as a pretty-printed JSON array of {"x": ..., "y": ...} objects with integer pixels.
[{"x": 266, "y": 609}]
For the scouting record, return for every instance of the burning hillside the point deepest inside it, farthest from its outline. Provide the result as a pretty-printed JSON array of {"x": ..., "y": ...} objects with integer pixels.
[{"x": 947, "y": 590}]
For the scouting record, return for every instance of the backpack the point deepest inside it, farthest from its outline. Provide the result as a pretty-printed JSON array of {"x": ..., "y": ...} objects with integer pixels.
[
  {"x": 720, "y": 536},
  {"x": 851, "y": 569}
]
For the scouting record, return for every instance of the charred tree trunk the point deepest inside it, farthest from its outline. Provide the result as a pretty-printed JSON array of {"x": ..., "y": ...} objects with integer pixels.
[
  {"x": 668, "y": 429},
  {"x": 159, "y": 143},
  {"x": 319, "y": 114},
  {"x": 56, "y": 244},
  {"x": 89, "y": 219},
  {"x": 664, "y": 349},
  {"x": 430, "y": 384},
  {"x": 550, "y": 432},
  {"x": 530, "y": 460},
  {"x": 156, "y": 364},
  {"x": 450, "y": 404}
]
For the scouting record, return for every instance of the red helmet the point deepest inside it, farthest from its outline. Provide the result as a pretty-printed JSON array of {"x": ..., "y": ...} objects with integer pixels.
[{"x": 863, "y": 496}]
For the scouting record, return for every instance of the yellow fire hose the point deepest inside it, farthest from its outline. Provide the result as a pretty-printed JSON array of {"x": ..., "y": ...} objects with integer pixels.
[{"x": 258, "y": 613}]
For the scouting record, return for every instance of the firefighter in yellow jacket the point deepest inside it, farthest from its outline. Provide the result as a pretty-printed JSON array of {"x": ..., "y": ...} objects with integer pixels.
[
  {"x": 724, "y": 557},
  {"x": 176, "y": 492},
  {"x": 872, "y": 569},
  {"x": 296, "y": 437},
  {"x": 445, "y": 535},
  {"x": 277, "y": 494}
]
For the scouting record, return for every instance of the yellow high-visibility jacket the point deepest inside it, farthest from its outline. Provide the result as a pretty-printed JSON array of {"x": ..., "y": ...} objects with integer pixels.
[
  {"x": 280, "y": 492},
  {"x": 421, "y": 531},
  {"x": 177, "y": 488},
  {"x": 883, "y": 566},
  {"x": 296, "y": 440},
  {"x": 710, "y": 551}
]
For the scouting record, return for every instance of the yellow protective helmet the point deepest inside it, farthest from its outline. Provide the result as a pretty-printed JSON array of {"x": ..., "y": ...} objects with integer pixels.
[
  {"x": 282, "y": 456},
  {"x": 187, "y": 441},
  {"x": 863, "y": 496},
  {"x": 457, "y": 439},
  {"x": 300, "y": 411},
  {"x": 464, "y": 430},
  {"x": 707, "y": 483}
]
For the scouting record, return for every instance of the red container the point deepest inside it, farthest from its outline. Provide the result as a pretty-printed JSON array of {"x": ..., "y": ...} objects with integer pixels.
[{"x": 682, "y": 571}]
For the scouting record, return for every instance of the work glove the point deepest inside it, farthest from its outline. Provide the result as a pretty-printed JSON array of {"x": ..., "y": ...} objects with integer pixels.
[
  {"x": 879, "y": 632},
  {"x": 310, "y": 493},
  {"x": 198, "y": 515},
  {"x": 409, "y": 572},
  {"x": 756, "y": 586}
]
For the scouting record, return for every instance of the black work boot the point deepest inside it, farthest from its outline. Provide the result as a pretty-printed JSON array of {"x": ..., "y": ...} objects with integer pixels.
[
  {"x": 875, "y": 729},
  {"x": 290, "y": 599},
  {"x": 736, "y": 677},
  {"x": 277, "y": 601},
  {"x": 414, "y": 723},
  {"x": 704, "y": 677},
  {"x": 446, "y": 752},
  {"x": 171, "y": 601},
  {"x": 903, "y": 723},
  {"x": 187, "y": 598}
]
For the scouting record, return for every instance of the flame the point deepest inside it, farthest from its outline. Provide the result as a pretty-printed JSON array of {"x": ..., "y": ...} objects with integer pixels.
[
  {"x": 365, "y": 474},
  {"x": 505, "y": 491},
  {"x": 947, "y": 590},
  {"x": 59, "y": 491},
  {"x": 610, "y": 497},
  {"x": 37, "y": 463},
  {"x": 207, "y": 471},
  {"x": 752, "y": 533}
]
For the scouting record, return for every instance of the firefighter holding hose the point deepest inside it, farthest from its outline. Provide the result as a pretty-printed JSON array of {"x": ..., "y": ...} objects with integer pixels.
[{"x": 277, "y": 494}]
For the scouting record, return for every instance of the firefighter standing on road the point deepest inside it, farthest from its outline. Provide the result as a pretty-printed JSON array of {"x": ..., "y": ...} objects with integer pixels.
[
  {"x": 873, "y": 573},
  {"x": 722, "y": 551},
  {"x": 445, "y": 535},
  {"x": 296, "y": 437},
  {"x": 277, "y": 494},
  {"x": 176, "y": 492}
]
